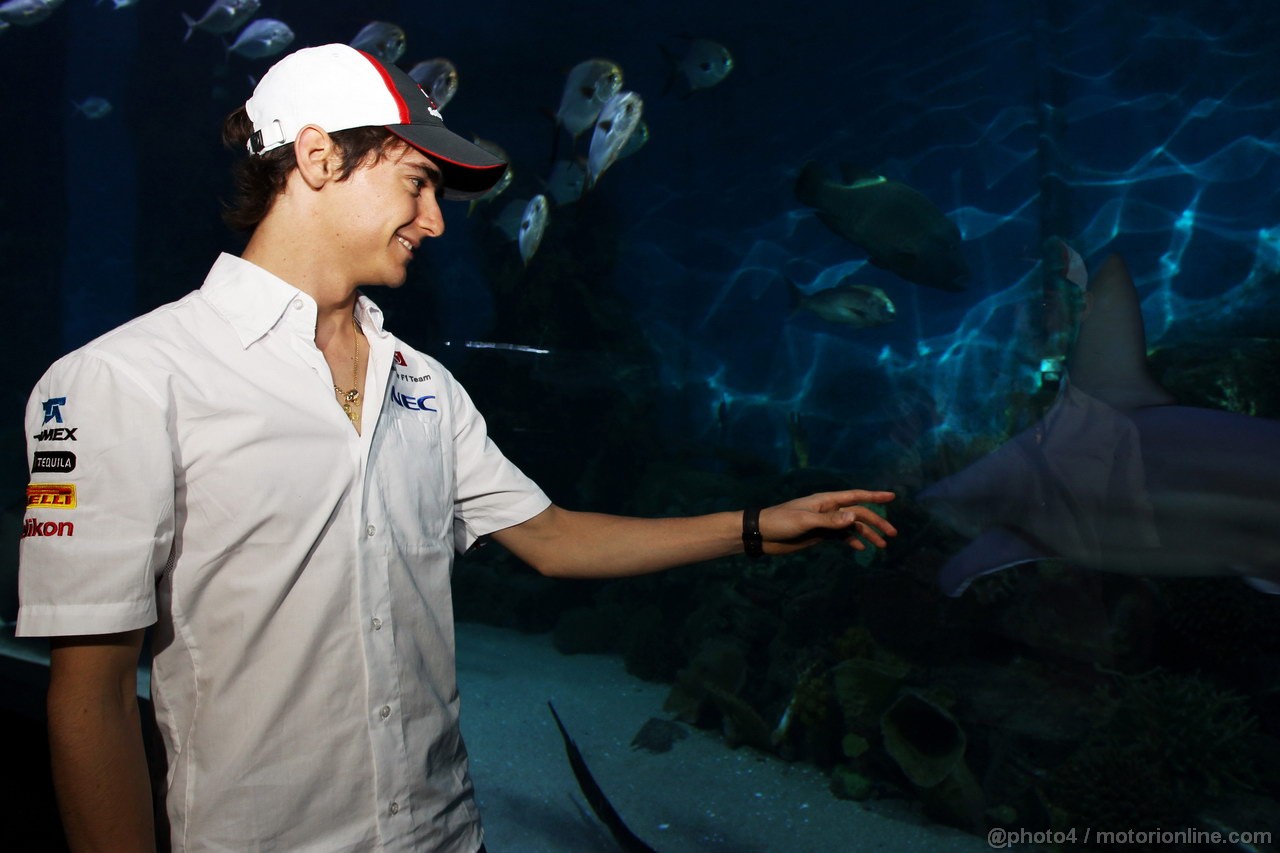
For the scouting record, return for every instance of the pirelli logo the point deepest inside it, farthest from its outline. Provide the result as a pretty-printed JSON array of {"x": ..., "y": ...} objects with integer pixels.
[{"x": 51, "y": 496}]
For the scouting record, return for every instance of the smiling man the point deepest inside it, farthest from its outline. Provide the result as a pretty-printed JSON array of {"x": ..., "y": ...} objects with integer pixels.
[{"x": 276, "y": 485}]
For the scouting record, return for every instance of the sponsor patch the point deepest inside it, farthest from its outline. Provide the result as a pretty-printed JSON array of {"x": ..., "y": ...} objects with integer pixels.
[
  {"x": 399, "y": 359},
  {"x": 53, "y": 460},
  {"x": 56, "y": 434},
  {"x": 53, "y": 409},
  {"x": 51, "y": 496},
  {"x": 36, "y": 527},
  {"x": 426, "y": 377},
  {"x": 412, "y": 403}
]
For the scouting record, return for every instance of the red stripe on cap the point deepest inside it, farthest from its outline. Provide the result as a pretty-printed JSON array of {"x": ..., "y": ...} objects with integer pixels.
[{"x": 391, "y": 86}]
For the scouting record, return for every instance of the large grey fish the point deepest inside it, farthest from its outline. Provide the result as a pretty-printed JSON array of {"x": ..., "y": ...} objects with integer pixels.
[
  {"x": 24, "y": 13},
  {"x": 222, "y": 16},
  {"x": 899, "y": 228},
  {"x": 618, "y": 120},
  {"x": 1117, "y": 476},
  {"x": 381, "y": 39},
  {"x": 703, "y": 64},
  {"x": 439, "y": 77},
  {"x": 588, "y": 87},
  {"x": 856, "y": 305},
  {"x": 265, "y": 37}
]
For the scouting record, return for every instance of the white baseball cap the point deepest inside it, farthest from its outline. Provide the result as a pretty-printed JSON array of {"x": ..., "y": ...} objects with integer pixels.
[{"x": 337, "y": 87}]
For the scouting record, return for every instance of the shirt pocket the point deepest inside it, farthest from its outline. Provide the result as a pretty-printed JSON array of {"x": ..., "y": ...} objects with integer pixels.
[{"x": 413, "y": 467}]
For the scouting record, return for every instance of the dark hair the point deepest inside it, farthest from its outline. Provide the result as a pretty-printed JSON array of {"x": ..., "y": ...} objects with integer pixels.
[{"x": 259, "y": 179}]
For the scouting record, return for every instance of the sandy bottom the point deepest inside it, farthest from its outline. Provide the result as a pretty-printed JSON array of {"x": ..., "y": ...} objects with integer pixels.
[{"x": 699, "y": 796}]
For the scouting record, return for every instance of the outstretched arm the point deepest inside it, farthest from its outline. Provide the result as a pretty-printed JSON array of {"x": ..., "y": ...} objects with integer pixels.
[{"x": 562, "y": 543}]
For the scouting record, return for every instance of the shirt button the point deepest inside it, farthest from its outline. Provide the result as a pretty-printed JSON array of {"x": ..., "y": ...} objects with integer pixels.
[
  {"x": 377, "y": 624},
  {"x": 297, "y": 305},
  {"x": 370, "y": 530},
  {"x": 385, "y": 712},
  {"x": 395, "y": 808}
]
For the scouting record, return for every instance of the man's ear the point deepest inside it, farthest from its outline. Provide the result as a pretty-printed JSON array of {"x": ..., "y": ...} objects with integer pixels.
[{"x": 317, "y": 156}]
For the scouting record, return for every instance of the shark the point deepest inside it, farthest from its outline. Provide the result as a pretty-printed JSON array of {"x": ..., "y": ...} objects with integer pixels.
[{"x": 1117, "y": 476}]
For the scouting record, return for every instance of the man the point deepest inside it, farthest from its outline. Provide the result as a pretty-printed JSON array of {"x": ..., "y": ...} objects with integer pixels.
[{"x": 276, "y": 484}]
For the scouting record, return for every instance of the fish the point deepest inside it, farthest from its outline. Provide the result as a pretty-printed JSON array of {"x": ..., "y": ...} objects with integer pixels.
[
  {"x": 25, "y": 13},
  {"x": 222, "y": 16},
  {"x": 703, "y": 64},
  {"x": 505, "y": 181},
  {"x": 439, "y": 77},
  {"x": 567, "y": 181},
  {"x": 381, "y": 39},
  {"x": 1117, "y": 476},
  {"x": 857, "y": 305},
  {"x": 587, "y": 89},
  {"x": 533, "y": 224},
  {"x": 636, "y": 140},
  {"x": 93, "y": 107},
  {"x": 265, "y": 37},
  {"x": 117, "y": 4},
  {"x": 618, "y": 120},
  {"x": 627, "y": 840},
  {"x": 897, "y": 226}
]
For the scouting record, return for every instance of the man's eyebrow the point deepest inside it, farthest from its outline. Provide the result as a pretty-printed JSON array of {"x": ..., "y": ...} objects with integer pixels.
[{"x": 431, "y": 171}]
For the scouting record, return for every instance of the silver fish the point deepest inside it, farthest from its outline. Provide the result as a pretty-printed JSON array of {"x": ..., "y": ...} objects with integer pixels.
[
  {"x": 508, "y": 222},
  {"x": 24, "y": 13},
  {"x": 222, "y": 16},
  {"x": 589, "y": 86},
  {"x": 899, "y": 228},
  {"x": 93, "y": 107},
  {"x": 439, "y": 77},
  {"x": 505, "y": 181},
  {"x": 117, "y": 4},
  {"x": 567, "y": 181},
  {"x": 636, "y": 140},
  {"x": 385, "y": 41},
  {"x": 533, "y": 224},
  {"x": 266, "y": 37},
  {"x": 856, "y": 305},
  {"x": 618, "y": 120},
  {"x": 703, "y": 64}
]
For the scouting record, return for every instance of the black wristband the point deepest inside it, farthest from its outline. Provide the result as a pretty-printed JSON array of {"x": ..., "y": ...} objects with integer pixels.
[{"x": 752, "y": 541}]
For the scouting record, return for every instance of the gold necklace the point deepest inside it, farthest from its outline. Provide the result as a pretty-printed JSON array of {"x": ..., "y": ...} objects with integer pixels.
[{"x": 350, "y": 399}]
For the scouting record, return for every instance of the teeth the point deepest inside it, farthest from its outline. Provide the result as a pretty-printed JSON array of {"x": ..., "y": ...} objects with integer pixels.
[{"x": 405, "y": 243}]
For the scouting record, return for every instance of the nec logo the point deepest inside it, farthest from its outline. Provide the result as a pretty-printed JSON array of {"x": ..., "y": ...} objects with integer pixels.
[
  {"x": 56, "y": 434},
  {"x": 52, "y": 409},
  {"x": 413, "y": 404}
]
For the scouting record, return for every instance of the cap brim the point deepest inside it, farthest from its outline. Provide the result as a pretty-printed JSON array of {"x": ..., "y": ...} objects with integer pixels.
[{"x": 468, "y": 170}]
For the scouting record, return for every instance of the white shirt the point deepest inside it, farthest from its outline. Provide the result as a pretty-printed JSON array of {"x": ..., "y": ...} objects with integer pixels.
[{"x": 193, "y": 469}]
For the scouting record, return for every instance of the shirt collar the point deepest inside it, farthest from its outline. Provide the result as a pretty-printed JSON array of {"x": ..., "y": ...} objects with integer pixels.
[{"x": 252, "y": 300}]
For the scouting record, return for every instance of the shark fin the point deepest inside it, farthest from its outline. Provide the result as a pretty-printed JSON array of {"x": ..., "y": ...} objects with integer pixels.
[
  {"x": 627, "y": 840},
  {"x": 993, "y": 551},
  {"x": 1109, "y": 359}
]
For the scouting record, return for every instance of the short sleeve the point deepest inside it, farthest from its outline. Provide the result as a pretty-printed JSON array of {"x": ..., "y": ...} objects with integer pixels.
[
  {"x": 493, "y": 493},
  {"x": 99, "y": 523}
]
